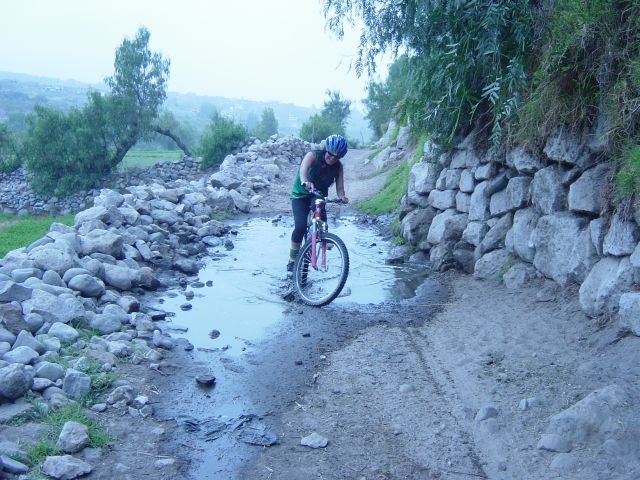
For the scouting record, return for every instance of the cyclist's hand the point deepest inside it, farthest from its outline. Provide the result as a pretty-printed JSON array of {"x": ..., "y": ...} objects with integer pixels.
[
  {"x": 344, "y": 199},
  {"x": 309, "y": 186}
]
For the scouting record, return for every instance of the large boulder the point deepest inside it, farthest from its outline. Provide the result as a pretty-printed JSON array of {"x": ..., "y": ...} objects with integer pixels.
[
  {"x": 563, "y": 247},
  {"x": 608, "y": 279}
]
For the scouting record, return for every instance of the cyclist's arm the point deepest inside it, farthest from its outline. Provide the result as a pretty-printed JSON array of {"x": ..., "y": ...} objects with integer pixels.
[
  {"x": 340, "y": 186},
  {"x": 307, "y": 161}
]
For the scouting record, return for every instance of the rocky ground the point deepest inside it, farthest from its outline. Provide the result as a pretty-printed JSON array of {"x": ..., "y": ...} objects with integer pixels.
[{"x": 448, "y": 386}]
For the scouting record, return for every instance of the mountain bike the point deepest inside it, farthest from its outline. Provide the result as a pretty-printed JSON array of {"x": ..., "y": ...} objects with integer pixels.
[{"x": 322, "y": 266}]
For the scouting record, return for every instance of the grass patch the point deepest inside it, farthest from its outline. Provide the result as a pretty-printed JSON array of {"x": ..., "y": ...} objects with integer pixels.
[
  {"x": 146, "y": 158},
  {"x": 388, "y": 198},
  {"x": 47, "y": 445},
  {"x": 629, "y": 176},
  {"x": 20, "y": 230}
]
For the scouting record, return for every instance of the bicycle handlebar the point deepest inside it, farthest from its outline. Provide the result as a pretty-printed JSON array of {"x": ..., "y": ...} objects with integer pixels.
[{"x": 318, "y": 194}]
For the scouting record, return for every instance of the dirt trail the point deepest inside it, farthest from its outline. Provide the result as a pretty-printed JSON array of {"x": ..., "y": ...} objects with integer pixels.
[{"x": 395, "y": 388}]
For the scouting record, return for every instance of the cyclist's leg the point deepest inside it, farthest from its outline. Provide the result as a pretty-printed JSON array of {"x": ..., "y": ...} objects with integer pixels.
[{"x": 300, "y": 208}]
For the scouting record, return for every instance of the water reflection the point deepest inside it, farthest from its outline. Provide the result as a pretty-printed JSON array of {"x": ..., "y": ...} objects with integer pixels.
[{"x": 241, "y": 297}]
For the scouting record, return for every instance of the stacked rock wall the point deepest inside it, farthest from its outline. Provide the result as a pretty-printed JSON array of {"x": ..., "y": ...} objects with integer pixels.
[{"x": 522, "y": 215}]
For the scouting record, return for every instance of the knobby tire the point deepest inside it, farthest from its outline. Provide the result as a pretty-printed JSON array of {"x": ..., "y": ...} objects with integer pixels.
[{"x": 305, "y": 276}]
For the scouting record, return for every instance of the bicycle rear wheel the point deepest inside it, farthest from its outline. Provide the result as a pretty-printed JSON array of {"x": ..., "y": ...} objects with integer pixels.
[{"x": 321, "y": 285}]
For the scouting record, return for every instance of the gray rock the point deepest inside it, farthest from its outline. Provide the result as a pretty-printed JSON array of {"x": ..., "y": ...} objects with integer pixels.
[
  {"x": 10, "y": 465},
  {"x": 629, "y": 313},
  {"x": 622, "y": 237},
  {"x": 73, "y": 437},
  {"x": 442, "y": 200},
  {"x": 491, "y": 265},
  {"x": 593, "y": 416},
  {"x": 474, "y": 232},
  {"x": 25, "y": 338},
  {"x": 563, "y": 248},
  {"x": 12, "y": 320},
  {"x": 488, "y": 411},
  {"x": 19, "y": 275},
  {"x": 15, "y": 381},
  {"x": 605, "y": 283},
  {"x": 48, "y": 257},
  {"x": 23, "y": 355},
  {"x": 65, "y": 467},
  {"x": 101, "y": 241},
  {"x": 414, "y": 227},
  {"x": 64, "y": 332},
  {"x": 547, "y": 191},
  {"x": 447, "y": 225},
  {"x": 566, "y": 147},
  {"x": 314, "y": 440},
  {"x": 518, "y": 276},
  {"x": 11, "y": 291},
  {"x": 76, "y": 384},
  {"x": 87, "y": 285},
  {"x": 586, "y": 195},
  {"x": 523, "y": 161},
  {"x": 496, "y": 235},
  {"x": 54, "y": 308},
  {"x": 553, "y": 442},
  {"x": 479, "y": 206},
  {"x": 49, "y": 370}
]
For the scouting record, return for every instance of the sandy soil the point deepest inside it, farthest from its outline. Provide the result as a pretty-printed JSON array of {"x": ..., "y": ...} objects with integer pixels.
[{"x": 395, "y": 389}]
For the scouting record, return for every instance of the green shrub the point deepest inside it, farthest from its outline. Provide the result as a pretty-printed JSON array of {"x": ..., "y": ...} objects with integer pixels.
[
  {"x": 317, "y": 128},
  {"x": 9, "y": 155},
  {"x": 629, "y": 175},
  {"x": 388, "y": 198},
  {"x": 219, "y": 139}
]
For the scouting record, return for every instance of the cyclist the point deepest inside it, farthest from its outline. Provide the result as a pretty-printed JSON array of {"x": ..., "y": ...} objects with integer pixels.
[{"x": 318, "y": 171}]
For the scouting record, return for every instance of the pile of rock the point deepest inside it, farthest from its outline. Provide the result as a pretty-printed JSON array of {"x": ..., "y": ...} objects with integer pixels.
[
  {"x": 520, "y": 216},
  {"x": 90, "y": 277},
  {"x": 251, "y": 159}
]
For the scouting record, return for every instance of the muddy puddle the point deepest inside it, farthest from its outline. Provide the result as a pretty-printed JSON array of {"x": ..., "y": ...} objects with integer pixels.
[
  {"x": 261, "y": 348},
  {"x": 238, "y": 294}
]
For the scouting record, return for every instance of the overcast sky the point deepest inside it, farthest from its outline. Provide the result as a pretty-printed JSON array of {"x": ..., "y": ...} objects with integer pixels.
[{"x": 267, "y": 50}]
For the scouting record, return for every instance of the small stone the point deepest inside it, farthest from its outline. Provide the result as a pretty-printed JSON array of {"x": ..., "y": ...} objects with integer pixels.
[
  {"x": 406, "y": 388},
  {"x": 185, "y": 307},
  {"x": 99, "y": 407},
  {"x": 206, "y": 380},
  {"x": 213, "y": 334},
  {"x": 314, "y": 440},
  {"x": 488, "y": 411},
  {"x": 554, "y": 443}
]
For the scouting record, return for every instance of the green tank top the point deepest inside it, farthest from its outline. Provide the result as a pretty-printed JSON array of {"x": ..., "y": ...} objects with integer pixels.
[{"x": 320, "y": 173}]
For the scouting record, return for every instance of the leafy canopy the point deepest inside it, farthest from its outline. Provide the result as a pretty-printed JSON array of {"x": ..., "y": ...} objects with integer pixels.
[
  {"x": 69, "y": 152},
  {"x": 466, "y": 58},
  {"x": 332, "y": 119},
  {"x": 220, "y": 137},
  {"x": 268, "y": 124}
]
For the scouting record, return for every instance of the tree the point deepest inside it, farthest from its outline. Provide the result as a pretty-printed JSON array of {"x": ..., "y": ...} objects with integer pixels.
[
  {"x": 467, "y": 58},
  {"x": 220, "y": 137},
  {"x": 171, "y": 132},
  {"x": 336, "y": 109},
  {"x": 138, "y": 89},
  {"x": 90, "y": 142},
  {"x": 268, "y": 124},
  {"x": 9, "y": 155},
  {"x": 384, "y": 100},
  {"x": 318, "y": 128}
]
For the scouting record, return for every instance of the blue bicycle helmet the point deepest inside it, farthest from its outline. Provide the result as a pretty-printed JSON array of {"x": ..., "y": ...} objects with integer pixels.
[{"x": 336, "y": 145}]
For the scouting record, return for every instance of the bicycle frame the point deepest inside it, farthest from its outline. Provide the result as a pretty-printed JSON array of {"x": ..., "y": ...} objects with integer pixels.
[{"x": 318, "y": 225}]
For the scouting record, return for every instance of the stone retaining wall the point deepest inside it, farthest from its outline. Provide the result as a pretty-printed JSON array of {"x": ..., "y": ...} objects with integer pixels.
[{"x": 522, "y": 216}]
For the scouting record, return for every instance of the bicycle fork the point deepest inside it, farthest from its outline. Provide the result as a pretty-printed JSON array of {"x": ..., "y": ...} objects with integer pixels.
[{"x": 323, "y": 252}]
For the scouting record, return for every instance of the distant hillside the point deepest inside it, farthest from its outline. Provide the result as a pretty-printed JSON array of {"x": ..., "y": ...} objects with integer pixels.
[{"x": 19, "y": 93}]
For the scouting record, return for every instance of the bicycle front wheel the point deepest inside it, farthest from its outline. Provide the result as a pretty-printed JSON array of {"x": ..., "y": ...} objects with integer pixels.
[{"x": 320, "y": 285}]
